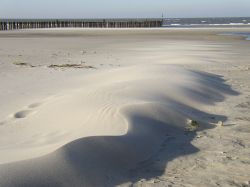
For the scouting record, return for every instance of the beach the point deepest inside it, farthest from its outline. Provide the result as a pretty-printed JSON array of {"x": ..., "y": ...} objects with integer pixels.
[{"x": 125, "y": 107}]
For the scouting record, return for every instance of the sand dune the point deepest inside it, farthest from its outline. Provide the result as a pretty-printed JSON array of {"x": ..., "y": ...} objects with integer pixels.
[
  {"x": 146, "y": 109},
  {"x": 115, "y": 125}
]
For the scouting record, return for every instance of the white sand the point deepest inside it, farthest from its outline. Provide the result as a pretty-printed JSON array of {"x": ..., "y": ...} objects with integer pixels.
[{"x": 123, "y": 122}]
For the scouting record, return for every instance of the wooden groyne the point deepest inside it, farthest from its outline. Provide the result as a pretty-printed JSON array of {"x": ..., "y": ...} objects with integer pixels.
[{"x": 13, "y": 24}]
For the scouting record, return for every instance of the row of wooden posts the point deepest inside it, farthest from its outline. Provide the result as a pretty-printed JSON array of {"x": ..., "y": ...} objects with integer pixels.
[{"x": 33, "y": 24}]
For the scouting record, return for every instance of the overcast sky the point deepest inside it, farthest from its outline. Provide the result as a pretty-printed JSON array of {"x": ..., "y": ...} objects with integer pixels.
[{"x": 122, "y": 8}]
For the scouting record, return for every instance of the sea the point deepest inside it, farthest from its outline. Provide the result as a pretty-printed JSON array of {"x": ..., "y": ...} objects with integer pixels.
[
  {"x": 205, "y": 22},
  {"x": 211, "y": 22}
]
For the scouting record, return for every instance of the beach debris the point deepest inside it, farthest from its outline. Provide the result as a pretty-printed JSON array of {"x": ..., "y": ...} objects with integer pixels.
[
  {"x": 57, "y": 66},
  {"x": 192, "y": 125},
  {"x": 154, "y": 181},
  {"x": 220, "y": 123},
  {"x": 64, "y": 66},
  {"x": 23, "y": 64},
  {"x": 246, "y": 183},
  {"x": 142, "y": 180},
  {"x": 83, "y": 52}
]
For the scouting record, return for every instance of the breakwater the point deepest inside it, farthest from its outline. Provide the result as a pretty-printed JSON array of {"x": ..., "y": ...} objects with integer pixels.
[{"x": 13, "y": 24}]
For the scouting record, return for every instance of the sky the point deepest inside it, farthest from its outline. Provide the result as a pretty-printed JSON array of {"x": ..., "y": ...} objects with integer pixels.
[{"x": 123, "y": 8}]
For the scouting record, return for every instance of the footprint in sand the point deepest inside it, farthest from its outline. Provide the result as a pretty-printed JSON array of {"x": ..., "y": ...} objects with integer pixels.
[
  {"x": 35, "y": 105},
  {"x": 23, "y": 114},
  {"x": 29, "y": 110}
]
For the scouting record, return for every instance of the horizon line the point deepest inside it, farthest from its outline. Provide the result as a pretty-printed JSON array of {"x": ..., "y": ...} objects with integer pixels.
[{"x": 130, "y": 17}]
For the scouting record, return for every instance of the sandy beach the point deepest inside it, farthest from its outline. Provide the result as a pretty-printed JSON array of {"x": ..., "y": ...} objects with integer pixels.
[{"x": 124, "y": 107}]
